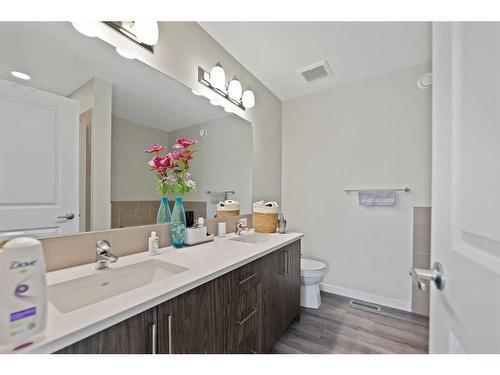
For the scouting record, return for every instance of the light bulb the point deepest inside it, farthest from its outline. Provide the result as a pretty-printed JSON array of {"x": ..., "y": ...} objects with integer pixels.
[
  {"x": 128, "y": 54},
  {"x": 215, "y": 101},
  {"x": 218, "y": 77},
  {"x": 20, "y": 75},
  {"x": 86, "y": 28},
  {"x": 147, "y": 32},
  {"x": 248, "y": 99},
  {"x": 234, "y": 89}
]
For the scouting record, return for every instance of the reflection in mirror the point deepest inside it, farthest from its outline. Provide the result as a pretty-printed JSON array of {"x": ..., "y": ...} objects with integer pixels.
[{"x": 73, "y": 136}]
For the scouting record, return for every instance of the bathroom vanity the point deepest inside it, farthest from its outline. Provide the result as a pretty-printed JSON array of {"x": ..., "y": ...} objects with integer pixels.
[
  {"x": 242, "y": 311},
  {"x": 231, "y": 297}
]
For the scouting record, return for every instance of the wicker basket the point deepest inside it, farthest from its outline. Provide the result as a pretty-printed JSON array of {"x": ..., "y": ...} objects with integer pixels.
[
  {"x": 222, "y": 214},
  {"x": 265, "y": 223}
]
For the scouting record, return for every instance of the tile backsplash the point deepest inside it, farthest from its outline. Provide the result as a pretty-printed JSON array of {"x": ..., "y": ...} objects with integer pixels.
[
  {"x": 77, "y": 249},
  {"x": 126, "y": 214}
]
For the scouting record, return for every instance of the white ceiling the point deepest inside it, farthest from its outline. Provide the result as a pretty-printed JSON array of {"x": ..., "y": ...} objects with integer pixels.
[
  {"x": 273, "y": 51},
  {"x": 60, "y": 60}
]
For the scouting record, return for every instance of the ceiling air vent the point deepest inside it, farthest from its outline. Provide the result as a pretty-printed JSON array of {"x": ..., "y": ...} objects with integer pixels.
[{"x": 316, "y": 71}]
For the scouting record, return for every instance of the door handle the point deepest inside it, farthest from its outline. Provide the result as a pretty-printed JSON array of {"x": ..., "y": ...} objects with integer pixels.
[
  {"x": 67, "y": 216},
  {"x": 419, "y": 275}
]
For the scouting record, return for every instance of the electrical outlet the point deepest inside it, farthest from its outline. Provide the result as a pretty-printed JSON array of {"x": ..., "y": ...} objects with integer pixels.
[{"x": 243, "y": 221}]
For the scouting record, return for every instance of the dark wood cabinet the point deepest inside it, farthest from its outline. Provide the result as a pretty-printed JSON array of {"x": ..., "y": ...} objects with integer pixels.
[
  {"x": 242, "y": 311},
  {"x": 132, "y": 336},
  {"x": 289, "y": 287},
  {"x": 191, "y": 323},
  {"x": 281, "y": 292},
  {"x": 271, "y": 270}
]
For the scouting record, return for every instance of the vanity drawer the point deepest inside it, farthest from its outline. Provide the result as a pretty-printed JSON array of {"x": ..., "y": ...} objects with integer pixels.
[
  {"x": 237, "y": 282},
  {"x": 244, "y": 322}
]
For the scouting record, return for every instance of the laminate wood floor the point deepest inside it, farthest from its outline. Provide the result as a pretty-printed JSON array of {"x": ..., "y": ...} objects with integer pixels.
[{"x": 338, "y": 327}]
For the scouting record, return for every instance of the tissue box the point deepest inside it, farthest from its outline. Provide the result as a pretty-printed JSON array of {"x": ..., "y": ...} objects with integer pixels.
[{"x": 197, "y": 236}]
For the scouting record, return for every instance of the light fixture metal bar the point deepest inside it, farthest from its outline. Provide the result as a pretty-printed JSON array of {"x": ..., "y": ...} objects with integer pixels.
[
  {"x": 204, "y": 79},
  {"x": 117, "y": 26}
]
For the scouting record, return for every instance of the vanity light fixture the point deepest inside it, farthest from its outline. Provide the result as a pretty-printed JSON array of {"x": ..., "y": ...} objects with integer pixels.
[
  {"x": 215, "y": 80},
  {"x": 21, "y": 75},
  {"x": 143, "y": 33}
]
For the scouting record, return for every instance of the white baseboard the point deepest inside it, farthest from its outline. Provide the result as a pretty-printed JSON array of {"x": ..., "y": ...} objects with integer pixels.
[{"x": 367, "y": 297}]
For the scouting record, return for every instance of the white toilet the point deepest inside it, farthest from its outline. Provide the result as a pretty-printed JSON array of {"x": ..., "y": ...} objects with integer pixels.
[{"x": 311, "y": 274}]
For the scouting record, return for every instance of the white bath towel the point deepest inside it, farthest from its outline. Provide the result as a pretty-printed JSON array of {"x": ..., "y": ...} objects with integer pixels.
[{"x": 377, "y": 197}]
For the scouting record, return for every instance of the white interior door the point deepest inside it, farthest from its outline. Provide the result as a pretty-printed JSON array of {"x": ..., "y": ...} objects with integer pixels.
[
  {"x": 38, "y": 162},
  {"x": 465, "y": 315}
]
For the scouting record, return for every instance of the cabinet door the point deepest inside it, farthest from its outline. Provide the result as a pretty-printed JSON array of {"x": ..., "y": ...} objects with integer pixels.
[
  {"x": 132, "y": 336},
  {"x": 288, "y": 286},
  {"x": 270, "y": 280},
  {"x": 191, "y": 323},
  {"x": 243, "y": 323},
  {"x": 292, "y": 283}
]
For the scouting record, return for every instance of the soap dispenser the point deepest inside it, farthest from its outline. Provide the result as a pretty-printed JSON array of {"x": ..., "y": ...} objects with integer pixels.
[
  {"x": 153, "y": 244},
  {"x": 282, "y": 224}
]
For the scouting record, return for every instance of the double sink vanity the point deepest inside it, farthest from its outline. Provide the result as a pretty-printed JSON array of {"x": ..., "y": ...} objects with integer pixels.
[{"x": 233, "y": 295}]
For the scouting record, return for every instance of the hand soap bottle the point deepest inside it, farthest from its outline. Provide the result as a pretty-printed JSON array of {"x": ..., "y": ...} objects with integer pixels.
[
  {"x": 153, "y": 244},
  {"x": 23, "y": 292}
]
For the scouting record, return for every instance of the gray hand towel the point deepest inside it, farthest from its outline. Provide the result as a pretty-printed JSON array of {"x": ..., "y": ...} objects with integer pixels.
[{"x": 377, "y": 197}]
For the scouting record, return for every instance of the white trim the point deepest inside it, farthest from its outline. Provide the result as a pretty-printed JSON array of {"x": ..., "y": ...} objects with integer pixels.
[{"x": 367, "y": 297}]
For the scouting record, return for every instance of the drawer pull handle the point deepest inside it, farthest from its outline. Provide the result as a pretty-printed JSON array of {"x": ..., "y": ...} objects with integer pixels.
[
  {"x": 243, "y": 321},
  {"x": 248, "y": 278},
  {"x": 253, "y": 352},
  {"x": 153, "y": 338},
  {"x": 169, "y": 323}
]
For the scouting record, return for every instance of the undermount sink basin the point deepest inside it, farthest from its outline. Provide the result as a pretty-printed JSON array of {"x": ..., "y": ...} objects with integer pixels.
[
  {"x": 255, "y": 238},
  {"x": 74, "y": 294}
]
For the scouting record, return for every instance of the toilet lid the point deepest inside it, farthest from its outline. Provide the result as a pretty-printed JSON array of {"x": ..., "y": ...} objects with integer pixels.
[{"x": 311, "y": 264}]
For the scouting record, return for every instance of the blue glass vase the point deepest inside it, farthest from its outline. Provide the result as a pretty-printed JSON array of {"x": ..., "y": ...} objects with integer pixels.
[
  {"x": 178, "y": 224},
  {"x": 164, "y": 215}
]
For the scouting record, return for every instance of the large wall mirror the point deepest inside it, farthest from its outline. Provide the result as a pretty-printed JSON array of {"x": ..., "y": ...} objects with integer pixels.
[{"x": 73, "y": 136}]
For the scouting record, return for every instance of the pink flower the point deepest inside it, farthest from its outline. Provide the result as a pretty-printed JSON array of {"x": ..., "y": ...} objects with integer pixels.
[
  {"x": 155, "y": 148},
  {"x": 161, "y": 164},
  {"x": 184, "y": 142},
  {"x": 175, "y": 155}
]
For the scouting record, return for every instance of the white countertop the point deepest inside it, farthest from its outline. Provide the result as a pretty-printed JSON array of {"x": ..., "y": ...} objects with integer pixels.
[{"x": 205, "y": 262}]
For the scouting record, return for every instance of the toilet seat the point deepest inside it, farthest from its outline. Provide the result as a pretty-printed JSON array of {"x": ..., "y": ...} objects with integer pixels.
[{"x": 311, "y": 265}]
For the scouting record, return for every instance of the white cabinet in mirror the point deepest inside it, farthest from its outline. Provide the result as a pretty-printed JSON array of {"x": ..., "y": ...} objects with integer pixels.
[{"x": 73, "y": 137}]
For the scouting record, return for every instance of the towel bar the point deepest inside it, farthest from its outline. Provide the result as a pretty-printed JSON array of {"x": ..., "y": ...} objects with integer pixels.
[{"x": 405, "y": 189}]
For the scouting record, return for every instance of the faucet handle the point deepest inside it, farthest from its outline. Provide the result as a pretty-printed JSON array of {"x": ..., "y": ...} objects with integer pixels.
[{"x": 103, "y": 246}]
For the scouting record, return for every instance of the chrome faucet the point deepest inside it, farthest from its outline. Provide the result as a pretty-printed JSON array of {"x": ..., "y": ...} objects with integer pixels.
[
  {"x": 103, "y": 255},
  {"x": 240, "y": 227}
]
